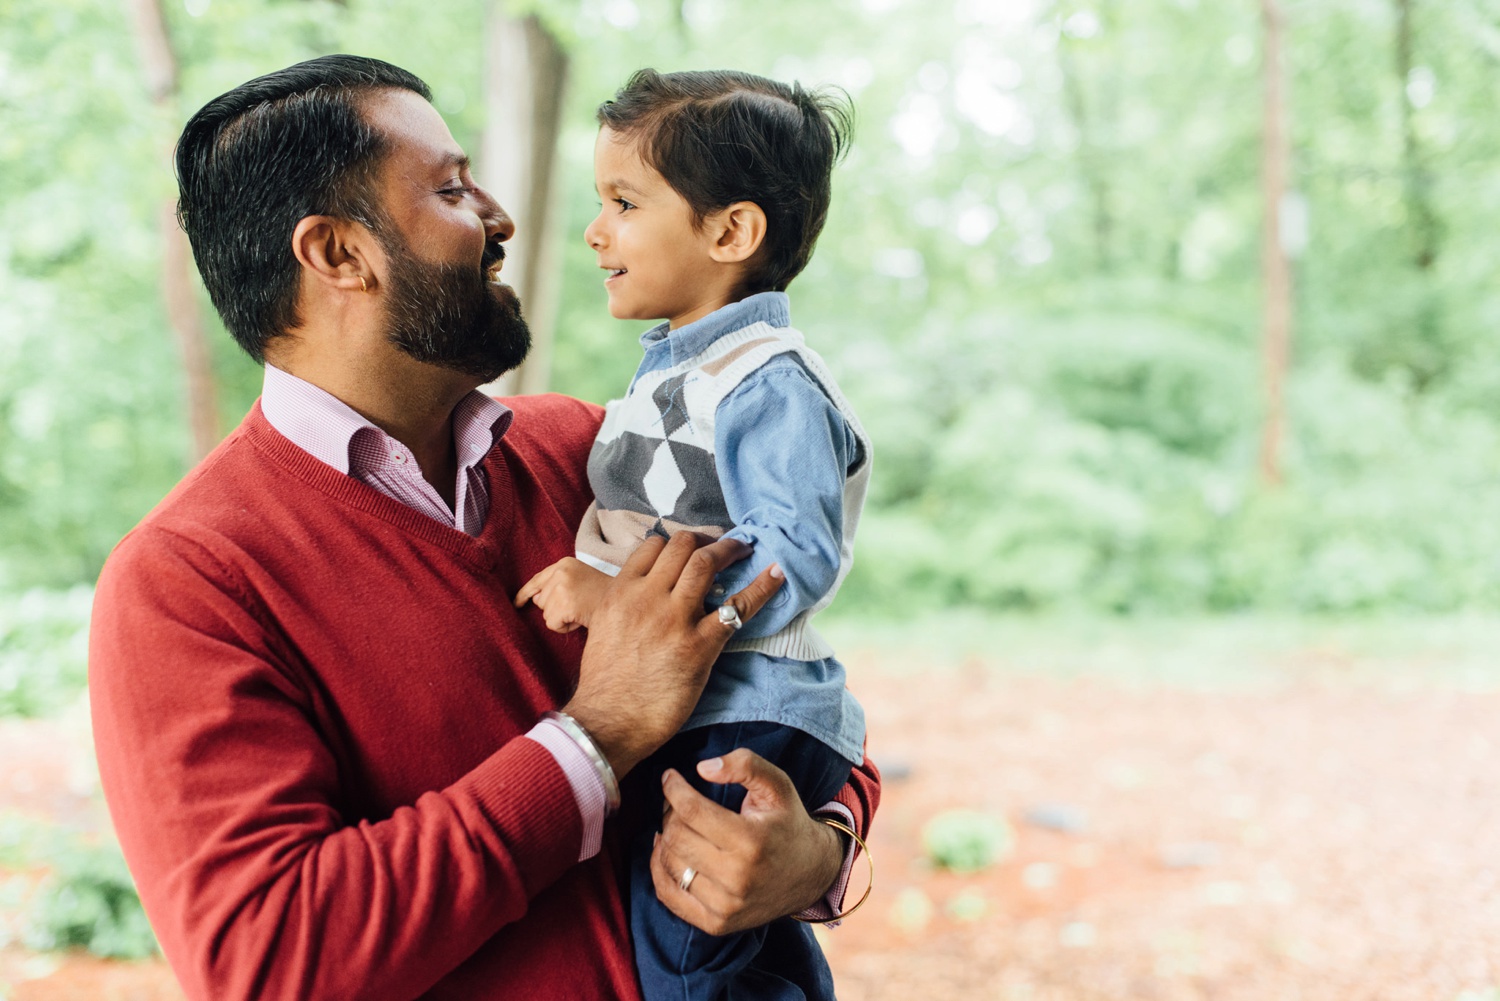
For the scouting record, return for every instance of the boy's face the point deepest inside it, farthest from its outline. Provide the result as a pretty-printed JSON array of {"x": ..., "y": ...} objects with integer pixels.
[{"x": 660, "y": 264}]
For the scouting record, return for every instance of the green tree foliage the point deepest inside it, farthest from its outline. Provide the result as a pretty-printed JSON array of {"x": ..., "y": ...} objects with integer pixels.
[
  {"x": 92, "y": 424},
  {"x": 1039, "y": 281}
]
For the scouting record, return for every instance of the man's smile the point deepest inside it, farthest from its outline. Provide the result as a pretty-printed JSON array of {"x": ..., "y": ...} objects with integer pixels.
[{"x": 494, "y": 260}]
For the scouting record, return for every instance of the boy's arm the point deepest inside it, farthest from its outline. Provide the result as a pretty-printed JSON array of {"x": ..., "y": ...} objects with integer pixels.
[{"x": 782, "y": 450}]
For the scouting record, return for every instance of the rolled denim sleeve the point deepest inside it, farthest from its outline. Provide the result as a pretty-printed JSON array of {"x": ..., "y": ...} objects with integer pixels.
[{"x": 782, "y": 450}]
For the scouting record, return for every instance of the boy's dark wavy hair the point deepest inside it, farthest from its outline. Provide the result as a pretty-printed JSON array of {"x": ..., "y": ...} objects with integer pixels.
[
  {"x": 254, "y": 161},
  {"x": 720, "y": 137}
]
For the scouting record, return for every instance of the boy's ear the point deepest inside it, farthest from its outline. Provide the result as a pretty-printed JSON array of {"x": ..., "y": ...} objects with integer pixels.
[
  {"x": 738, "y": 232},
  {"x": 335, "y": 252}
]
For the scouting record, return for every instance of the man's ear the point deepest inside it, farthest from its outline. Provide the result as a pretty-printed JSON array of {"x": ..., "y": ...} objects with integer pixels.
[
  {"x": 335, "y": 252},
  {"x": 738, "y": 232}
]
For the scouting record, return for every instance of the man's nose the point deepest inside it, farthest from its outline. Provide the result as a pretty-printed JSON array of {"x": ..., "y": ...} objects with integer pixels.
[{"x": 497, "y": 222}]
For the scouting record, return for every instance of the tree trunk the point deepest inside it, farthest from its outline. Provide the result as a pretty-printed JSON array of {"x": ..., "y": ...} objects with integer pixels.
[
  {"x": 525, "y": 74},
  {"x": 1425, "y": 227},
  {"x": 1276, "y": 270},
  {"x": 178, "y": 289},
  {"x": 1090, "y": 162}
]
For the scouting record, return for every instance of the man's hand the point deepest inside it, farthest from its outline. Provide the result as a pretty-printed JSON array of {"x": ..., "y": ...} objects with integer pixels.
[
  {"x": 767, "y": 861},
  {"x": 567, "y": 592},
  {"x": 651, "y": 644}
]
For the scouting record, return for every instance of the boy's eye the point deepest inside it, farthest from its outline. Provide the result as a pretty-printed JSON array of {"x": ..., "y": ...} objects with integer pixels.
[{"x": 624, "y": 205}]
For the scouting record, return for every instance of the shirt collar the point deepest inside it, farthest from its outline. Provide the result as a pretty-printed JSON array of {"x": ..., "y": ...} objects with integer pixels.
[
  {"x": 692, "y": 339},
  {"x": 324, "y": 426}
]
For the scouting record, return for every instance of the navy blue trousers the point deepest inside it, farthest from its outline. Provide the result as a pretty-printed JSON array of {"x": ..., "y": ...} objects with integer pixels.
[{"x": 777, "y": 962}]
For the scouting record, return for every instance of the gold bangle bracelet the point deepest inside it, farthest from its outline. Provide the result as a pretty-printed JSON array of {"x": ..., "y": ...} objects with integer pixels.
[{"x": 839, "y": 825}]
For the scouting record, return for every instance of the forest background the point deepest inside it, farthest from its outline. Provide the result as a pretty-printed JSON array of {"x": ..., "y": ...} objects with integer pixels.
[{"x": 1041, "y": 281}]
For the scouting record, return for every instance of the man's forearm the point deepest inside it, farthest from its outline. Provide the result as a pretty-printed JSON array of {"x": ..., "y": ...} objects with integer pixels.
[
  {"x": 226, "y": 799},
  {"x": 250, "y": 893}
]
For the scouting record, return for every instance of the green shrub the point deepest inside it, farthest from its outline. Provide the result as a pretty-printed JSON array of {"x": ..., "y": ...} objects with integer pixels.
[
  {"x": 1104, "y": 467},
  {"x": 86, "y": 898},
  {"x": 43, "y": 649},
  {"x": 967, "y": 840}
]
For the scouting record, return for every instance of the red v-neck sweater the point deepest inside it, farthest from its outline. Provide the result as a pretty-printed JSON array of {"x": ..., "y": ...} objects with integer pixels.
[{"x": 308, "y": 705}]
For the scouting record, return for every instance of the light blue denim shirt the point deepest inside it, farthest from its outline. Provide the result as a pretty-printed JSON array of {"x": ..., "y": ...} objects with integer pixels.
[{"x": 782, "y": 450}]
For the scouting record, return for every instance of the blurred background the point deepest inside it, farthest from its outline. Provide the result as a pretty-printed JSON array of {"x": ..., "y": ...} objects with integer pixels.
[{"x": 1173, "y": 322}]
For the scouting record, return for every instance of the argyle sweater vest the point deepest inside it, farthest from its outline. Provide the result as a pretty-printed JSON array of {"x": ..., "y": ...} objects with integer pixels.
[{"x": 653, "y": 470}]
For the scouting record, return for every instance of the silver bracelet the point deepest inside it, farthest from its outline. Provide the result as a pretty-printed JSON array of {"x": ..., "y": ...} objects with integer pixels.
[{"x": 596, "y": 757}]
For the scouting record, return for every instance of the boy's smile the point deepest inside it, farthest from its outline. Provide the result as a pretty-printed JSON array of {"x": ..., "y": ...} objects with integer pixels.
[{"x": 660, "y": 264}]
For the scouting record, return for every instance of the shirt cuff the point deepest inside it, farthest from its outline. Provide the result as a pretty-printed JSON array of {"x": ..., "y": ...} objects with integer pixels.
[
  {"x": 833, "y": 901},
  {"x": 588, "y": 787}
]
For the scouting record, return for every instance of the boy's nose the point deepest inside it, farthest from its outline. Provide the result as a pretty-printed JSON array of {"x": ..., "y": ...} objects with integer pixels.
[{"x": 593, "y": 234}]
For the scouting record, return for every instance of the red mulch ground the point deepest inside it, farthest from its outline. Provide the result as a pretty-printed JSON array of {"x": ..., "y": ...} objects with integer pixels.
[
  {"x": 1314, "y": 837},
  {"x": 1349, "y": 838}
]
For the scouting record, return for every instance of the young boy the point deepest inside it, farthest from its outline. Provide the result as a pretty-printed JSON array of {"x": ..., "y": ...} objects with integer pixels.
[{"x": 714, "y": 187}]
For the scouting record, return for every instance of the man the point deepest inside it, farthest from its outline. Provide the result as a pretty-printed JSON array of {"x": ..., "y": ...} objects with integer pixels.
[{"x": 320, "y": 722}]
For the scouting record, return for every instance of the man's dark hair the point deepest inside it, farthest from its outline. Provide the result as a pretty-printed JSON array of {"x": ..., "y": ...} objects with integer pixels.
[
  {"x": 254, "y": 161},
  {"x": 720, "y": 137}
]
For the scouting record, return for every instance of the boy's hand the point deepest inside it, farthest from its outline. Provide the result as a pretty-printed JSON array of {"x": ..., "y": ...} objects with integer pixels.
[{"x": 567, "y": 592}]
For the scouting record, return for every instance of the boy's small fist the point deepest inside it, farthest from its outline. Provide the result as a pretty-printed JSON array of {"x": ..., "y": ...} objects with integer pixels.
[{"x": 567, "y": 592}]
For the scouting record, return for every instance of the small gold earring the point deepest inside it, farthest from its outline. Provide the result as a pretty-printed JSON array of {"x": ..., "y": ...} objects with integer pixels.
[{"x": 362, "y": 286}]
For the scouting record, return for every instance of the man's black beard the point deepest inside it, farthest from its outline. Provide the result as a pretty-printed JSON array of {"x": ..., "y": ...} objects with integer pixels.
[{"x": 452, "y": 314}]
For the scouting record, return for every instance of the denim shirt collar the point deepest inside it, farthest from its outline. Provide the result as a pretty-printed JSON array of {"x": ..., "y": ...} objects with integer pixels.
[{"x": 694, "y": 338}]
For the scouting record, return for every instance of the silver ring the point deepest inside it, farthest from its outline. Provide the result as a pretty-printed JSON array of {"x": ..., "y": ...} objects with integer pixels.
[
  {"x": 686, "y": 881},
  {"x": 730, "y": 616}
]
